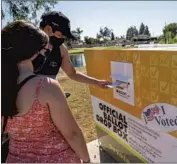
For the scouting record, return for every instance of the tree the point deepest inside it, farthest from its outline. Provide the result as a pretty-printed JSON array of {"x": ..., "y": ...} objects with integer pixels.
[
  {"x": 105, "y": 33},
  {"x": 27, "y": 9},
  {"x": 75, "y": 34},
  {"x": 169, "y": 34},
  {"x": 89, "y": 40},
  {"x": 112, "y": 36},
  {"x": 122, "y": 37},
  {"x": 79, "y": 32},
  {"x": 141, "y": 29},
  {"x": 98, "y": 36},
  {"x": 172, "y": 28},
  {"x": 131, "y": 32},
  {"x": 146, "y": 31}
]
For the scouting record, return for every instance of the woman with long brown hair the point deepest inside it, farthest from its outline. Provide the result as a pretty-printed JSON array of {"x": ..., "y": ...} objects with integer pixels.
[{"x": 40, "y": 125}]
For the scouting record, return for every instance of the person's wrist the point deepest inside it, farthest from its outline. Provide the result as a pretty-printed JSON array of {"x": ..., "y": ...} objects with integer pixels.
[{"x": 96, "y": 82}]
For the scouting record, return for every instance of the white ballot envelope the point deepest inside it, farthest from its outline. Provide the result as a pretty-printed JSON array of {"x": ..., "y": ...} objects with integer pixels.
[{"x": 114, "y": 84}]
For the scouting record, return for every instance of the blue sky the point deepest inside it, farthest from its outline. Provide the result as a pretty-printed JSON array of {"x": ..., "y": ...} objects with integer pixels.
[{"x": 118, "y": 15}]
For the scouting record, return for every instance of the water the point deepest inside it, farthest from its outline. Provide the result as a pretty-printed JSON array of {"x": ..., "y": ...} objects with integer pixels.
[{"x": 78, "y": 60}]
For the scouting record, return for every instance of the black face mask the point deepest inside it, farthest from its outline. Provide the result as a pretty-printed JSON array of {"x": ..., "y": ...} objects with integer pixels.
[
  {"x": 56, "y": 41},
  {"x": 40, "y": 60}
]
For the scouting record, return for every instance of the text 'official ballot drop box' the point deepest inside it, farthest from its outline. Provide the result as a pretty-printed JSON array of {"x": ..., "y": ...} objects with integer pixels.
[{"x": 136, "y": 120}]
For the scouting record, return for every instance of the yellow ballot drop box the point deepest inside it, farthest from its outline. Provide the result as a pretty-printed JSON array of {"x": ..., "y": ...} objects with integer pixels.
[{"x": 136, "y": 117}]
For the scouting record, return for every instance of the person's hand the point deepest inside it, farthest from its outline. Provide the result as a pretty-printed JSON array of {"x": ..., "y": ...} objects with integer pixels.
[{"x": 102, "y": 83}]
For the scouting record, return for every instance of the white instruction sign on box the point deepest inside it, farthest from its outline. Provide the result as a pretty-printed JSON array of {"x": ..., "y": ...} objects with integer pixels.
[
  {"x": 132, "y": 131},
  {"x": 122, "y": 76}
]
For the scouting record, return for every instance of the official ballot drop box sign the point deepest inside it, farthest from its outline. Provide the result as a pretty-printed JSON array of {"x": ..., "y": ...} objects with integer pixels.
[{"x": 136, "y": 120}]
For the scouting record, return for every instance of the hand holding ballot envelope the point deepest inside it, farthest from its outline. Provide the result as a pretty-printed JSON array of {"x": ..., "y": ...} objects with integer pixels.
[
  {"x": 106, "y": 84},
  {"x": 103, "y": 83},
  {"x": 112, "y": 85},
  {"x": 117, "y": 84}
]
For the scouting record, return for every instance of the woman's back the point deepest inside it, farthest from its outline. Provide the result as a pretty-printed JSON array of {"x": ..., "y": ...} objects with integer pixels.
[
  {"x": 42, "y": 128},
  {"x": 33, "y": 135}
]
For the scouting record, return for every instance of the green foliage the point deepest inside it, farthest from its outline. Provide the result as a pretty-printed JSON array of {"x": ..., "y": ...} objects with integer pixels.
[
  {"x": 112, "y": 36},
  {"x": 90, "y": 40},
  {"x": 141, "y": 29},
  {"x": 77, "y": 33},
  {"x": 172, "y": 40},
  {"x": 27, "y": 9},
  {"x": 131, "y": 32},
  {"x": 105, "y": 33},
  {"x": 162, "y": 41},
  {"x": 172, "y": 28},
  {"x": 146, "y": 31},
  {"x": 98, "y": 36},
  {"x": 175, "y": 40},
  {"x": 170, "y": 33}
]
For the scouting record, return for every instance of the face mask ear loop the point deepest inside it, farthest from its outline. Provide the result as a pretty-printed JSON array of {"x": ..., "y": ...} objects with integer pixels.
[
  {"x": 40, "y": 67},
  {"x": 45, "y": 58}
]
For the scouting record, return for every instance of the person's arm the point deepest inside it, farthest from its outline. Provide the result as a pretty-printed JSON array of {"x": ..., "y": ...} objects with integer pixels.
[
  {"x": 75, "y": 75},
  {"x": 64, "y": 120}
]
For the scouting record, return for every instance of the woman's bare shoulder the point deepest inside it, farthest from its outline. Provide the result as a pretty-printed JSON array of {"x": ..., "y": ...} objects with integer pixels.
[{"x": 51, "y": 88}]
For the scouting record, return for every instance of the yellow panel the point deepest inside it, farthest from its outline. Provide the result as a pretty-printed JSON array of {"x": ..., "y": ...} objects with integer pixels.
[{"x": 155, "y": 77}]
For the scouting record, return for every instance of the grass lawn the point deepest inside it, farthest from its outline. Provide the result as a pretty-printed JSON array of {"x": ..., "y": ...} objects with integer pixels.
[
  {"x": 81, "y": 50},
  {"x": 76, "y": 50},
  {"x": 80, "y": 104}
]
